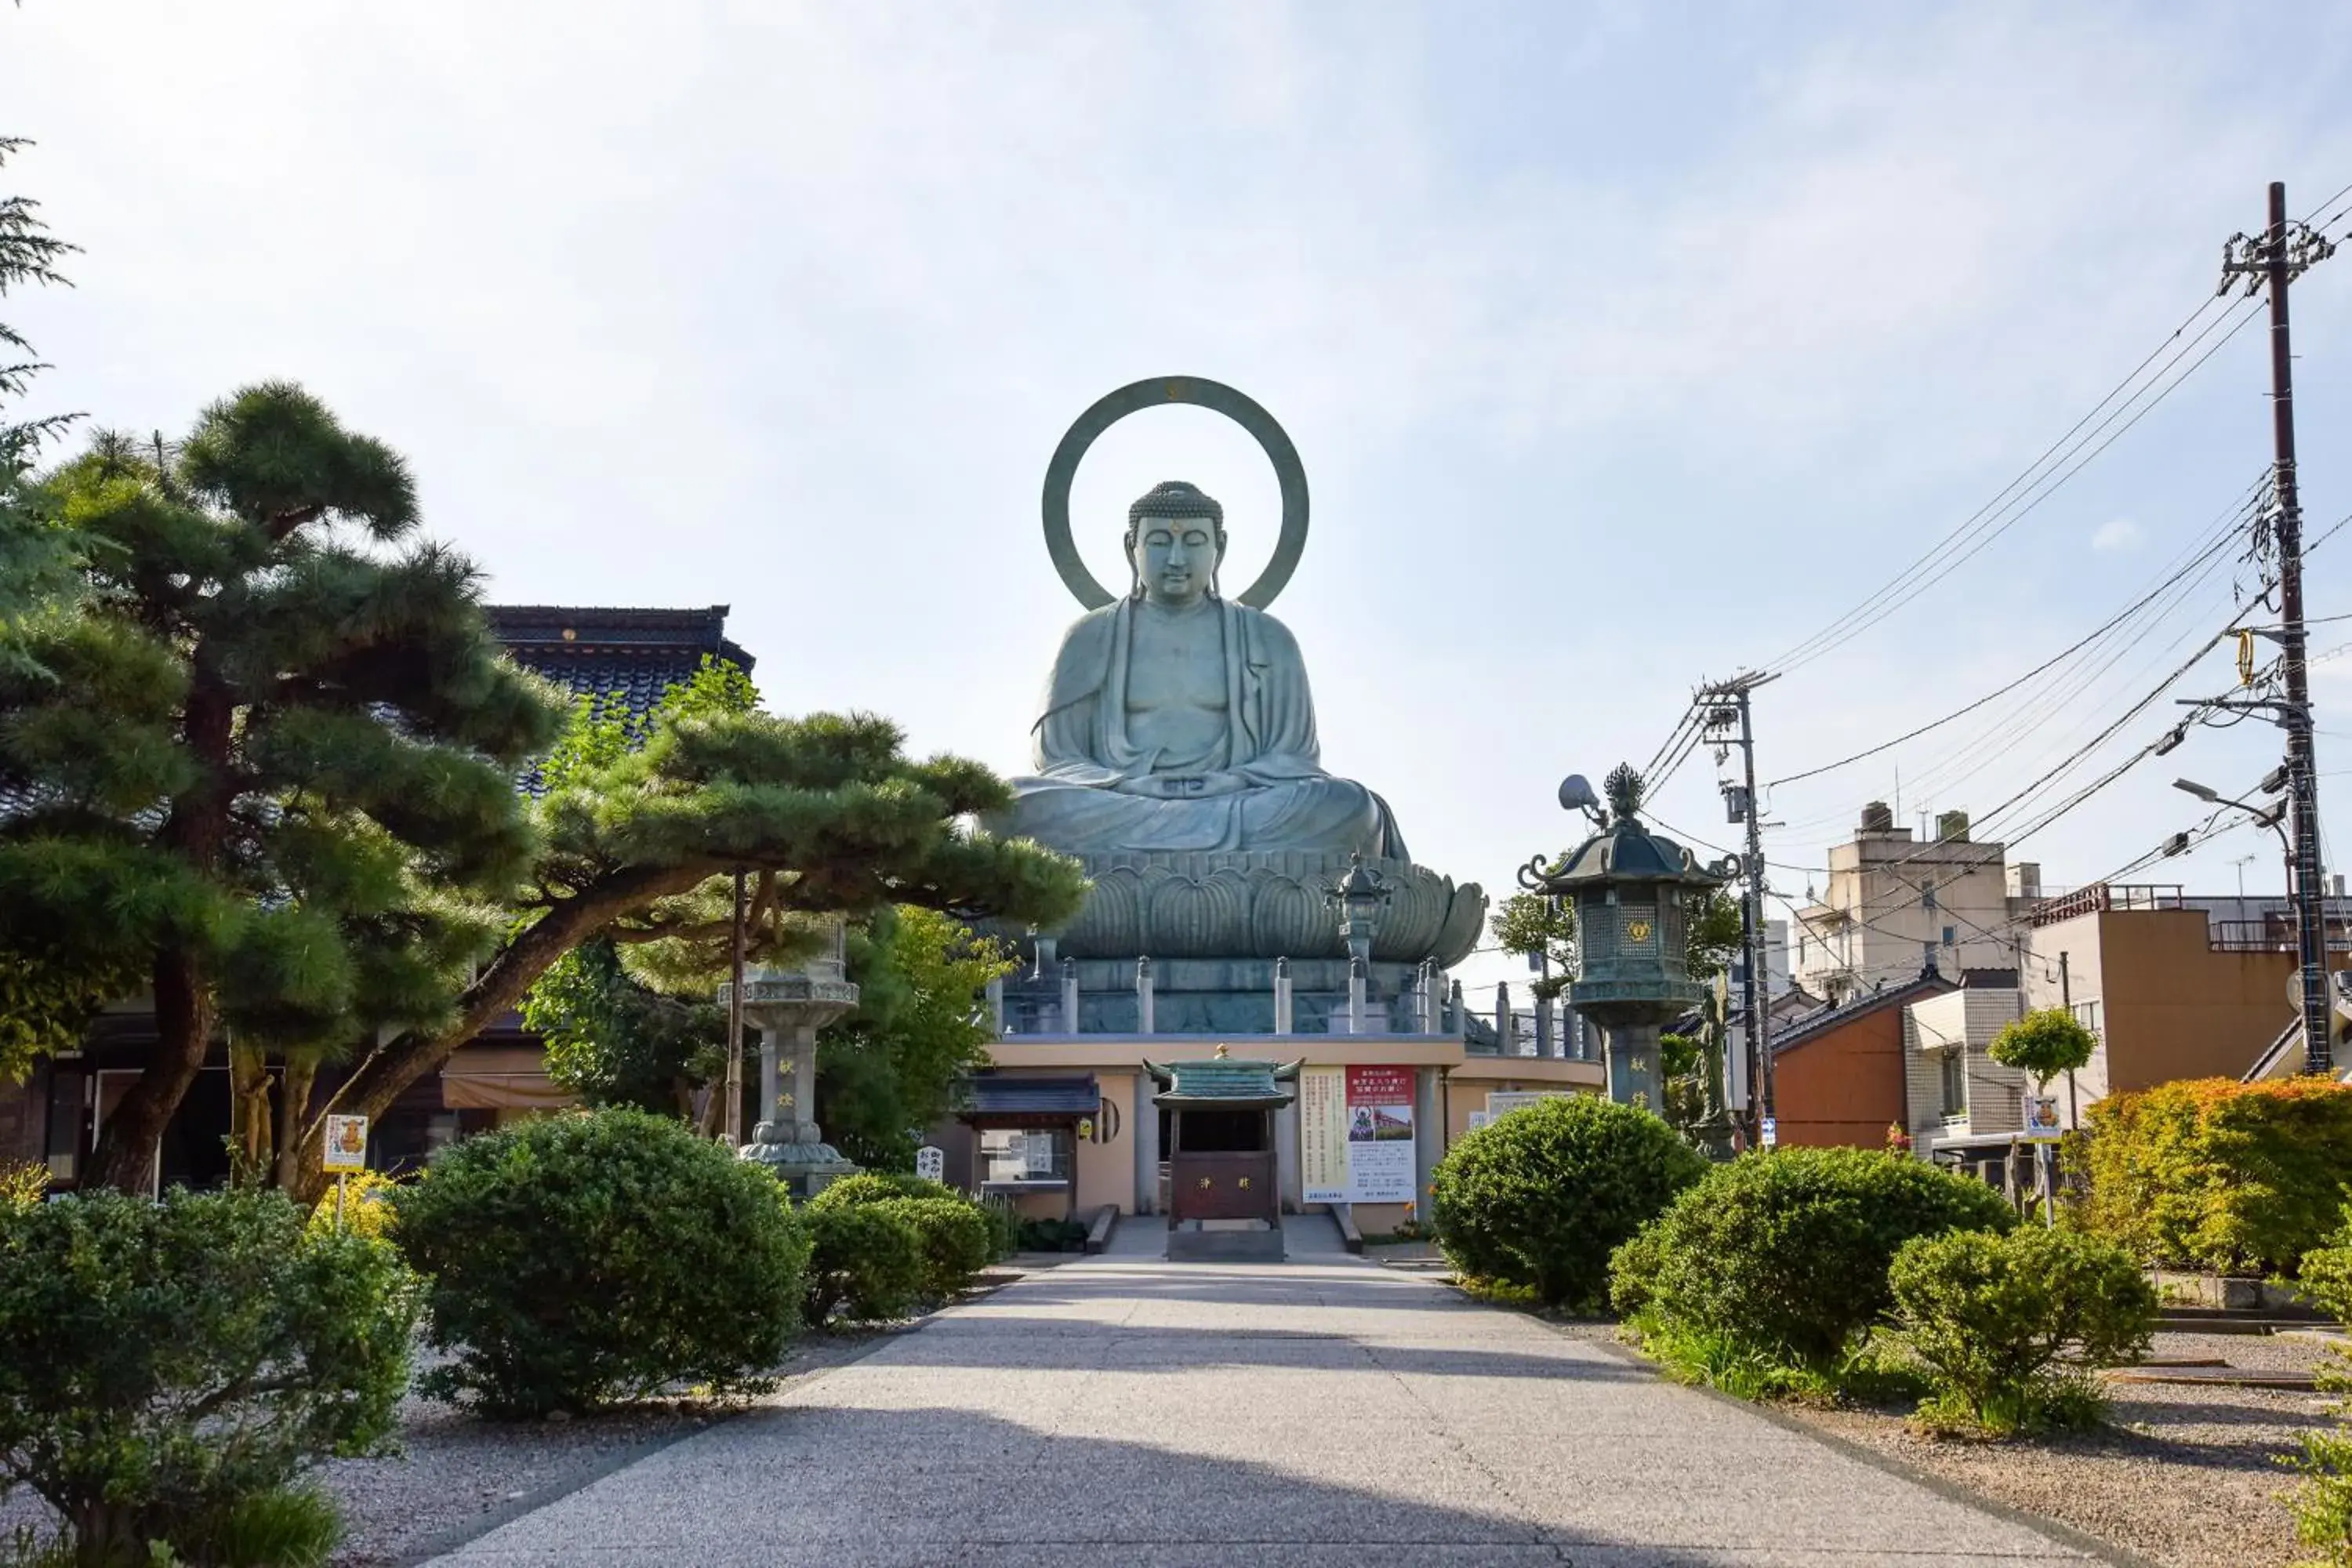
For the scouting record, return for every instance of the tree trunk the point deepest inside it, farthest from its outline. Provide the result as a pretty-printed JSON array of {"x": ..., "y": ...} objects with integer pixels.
[
  {"x": 293, "y": 1115},
  {"x": 386, "y": 1071},
  {"x": 249, "y": 1123},
  {"x": 129, "y": 1145}
]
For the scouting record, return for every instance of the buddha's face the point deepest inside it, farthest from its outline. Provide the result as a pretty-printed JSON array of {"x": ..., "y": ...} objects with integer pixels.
[{"x": 1175, "y": 558}]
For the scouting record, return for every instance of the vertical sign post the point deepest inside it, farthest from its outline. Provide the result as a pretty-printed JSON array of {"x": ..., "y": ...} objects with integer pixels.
[{"x": 346, "y": 1152}]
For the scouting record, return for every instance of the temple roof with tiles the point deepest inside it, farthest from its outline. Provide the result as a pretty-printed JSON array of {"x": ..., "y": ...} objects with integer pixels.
[{"x": 636, "y": 653}]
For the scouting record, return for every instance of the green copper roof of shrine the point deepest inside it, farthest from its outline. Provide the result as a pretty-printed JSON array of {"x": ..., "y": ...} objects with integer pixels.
[{"x": 1222, "y": 1081}]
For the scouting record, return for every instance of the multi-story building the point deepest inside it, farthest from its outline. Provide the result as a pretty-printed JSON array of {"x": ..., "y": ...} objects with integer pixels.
[
  {"x": 2172, "y": 986},
  {"x": 1896, "y": 906}
]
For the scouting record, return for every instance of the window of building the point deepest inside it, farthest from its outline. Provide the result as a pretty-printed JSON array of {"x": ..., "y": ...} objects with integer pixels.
[
  {"x": 1951, "y": 936},
  {"x": 1955, "y": 1083},
  {"x": 1025, "y": 1154},
  {"x": 2087, "y": 1014}
]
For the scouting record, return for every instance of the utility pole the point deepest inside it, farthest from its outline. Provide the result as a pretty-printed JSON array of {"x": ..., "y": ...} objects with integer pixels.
[
  {"x": 1740, "y": 799},
  {"x": 2282, "y": 252}
]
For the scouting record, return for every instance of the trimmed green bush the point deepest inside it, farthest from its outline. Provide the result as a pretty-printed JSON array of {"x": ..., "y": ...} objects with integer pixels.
[
  {"x": 171, "y": 1366},
  {"x": 1541, "y": 1197},
  {"x": 880, "y": 1187},
  {"x": 1003, "y": 1225},
  {"x": 955, "y": 1240},
  {"x": 2210, "y": 1174},
  {"x": 865, "y": 1261},
  {"x": 2322, "y": 1504},
  {"x": 1785, "y": 1253},
  {"x": 578, "y": 1259},
  {"x": 1989, "y": 1315}
]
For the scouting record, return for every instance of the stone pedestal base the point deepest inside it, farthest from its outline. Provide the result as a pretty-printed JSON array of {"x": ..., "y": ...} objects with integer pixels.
[{"x": 795, "y": 1155}]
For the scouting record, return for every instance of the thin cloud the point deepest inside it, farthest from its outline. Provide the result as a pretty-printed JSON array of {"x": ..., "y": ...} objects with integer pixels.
[{"x": 2118, "y": 534}]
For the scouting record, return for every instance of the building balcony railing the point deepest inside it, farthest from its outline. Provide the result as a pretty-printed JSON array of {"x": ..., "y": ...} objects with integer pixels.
[{"x": 2099, "y": 898}]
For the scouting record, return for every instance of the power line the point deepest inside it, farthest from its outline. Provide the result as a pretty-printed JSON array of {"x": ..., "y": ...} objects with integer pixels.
[
  {"x": 2045, "y": 474},
  {"x": 2102, "y": 630},
  {"x": 1998, "y": 741}
]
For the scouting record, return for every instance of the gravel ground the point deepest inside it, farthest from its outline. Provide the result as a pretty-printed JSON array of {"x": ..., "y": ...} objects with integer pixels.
[
  {"x": 456, "y": 1474},
  {"x": 2185, "y": 1477}
]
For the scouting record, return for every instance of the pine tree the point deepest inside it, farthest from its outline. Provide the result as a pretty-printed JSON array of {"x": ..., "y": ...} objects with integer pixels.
[
  {"x": 37, "y": 551},
  {"x": 826, "y": 813},
  {"x": 271, "y": 770}
]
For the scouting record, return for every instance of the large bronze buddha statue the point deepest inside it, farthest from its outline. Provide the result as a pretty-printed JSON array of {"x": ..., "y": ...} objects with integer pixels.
[{"x": 1177, "y": 719}]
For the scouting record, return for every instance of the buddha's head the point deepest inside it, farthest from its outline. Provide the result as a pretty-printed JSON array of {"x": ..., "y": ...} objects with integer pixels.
[{"x": 1175, "y": 537}]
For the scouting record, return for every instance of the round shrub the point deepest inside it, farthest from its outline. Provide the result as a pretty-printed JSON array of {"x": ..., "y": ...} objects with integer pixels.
[
  {"x": 864, "y": 1259},
  {"x": 578, "y": 1259},
  {"x": 880, "y": 1187},
  {"x": 1540, "y": 1197},
  {"x": 1786, "y": 1252},
  {"x": 1989, "y": 1315},
  {"x": 955, "y": 1239},
  {"x": 173, "y": 1366}
]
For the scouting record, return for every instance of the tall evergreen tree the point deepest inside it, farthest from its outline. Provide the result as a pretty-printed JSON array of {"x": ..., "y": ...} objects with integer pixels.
[
  {"x": 37, "y": 551},
  {"x": 275, "y": 758},
  {"x": 273, "y": 773},
  {"x": 826, "y": 813}
]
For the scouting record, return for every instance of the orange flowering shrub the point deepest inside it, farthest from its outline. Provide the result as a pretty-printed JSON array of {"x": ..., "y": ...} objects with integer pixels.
[{"x": 2215, "y": 1174}]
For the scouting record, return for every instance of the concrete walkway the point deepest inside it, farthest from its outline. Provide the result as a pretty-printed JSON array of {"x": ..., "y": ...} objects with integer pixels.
[{"x": 1125, "y": 1410}]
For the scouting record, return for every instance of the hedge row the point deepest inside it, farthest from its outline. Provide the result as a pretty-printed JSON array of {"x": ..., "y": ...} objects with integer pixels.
[{"x": 2210, "y": 1174}]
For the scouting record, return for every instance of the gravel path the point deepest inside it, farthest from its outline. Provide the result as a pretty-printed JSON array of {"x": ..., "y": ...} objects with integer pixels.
[{"x": 2185, "y": 1477}]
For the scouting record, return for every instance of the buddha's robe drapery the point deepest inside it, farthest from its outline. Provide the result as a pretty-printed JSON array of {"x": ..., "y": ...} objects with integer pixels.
[{"x": 1082, "y": 751}]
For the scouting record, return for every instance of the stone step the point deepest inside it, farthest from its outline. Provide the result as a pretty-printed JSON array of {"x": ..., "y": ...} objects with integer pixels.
[{"x": 1186, "y": 1245}]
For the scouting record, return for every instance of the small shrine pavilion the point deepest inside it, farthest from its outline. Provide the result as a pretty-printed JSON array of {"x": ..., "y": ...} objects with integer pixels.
[{"x": 1224, "y": 1192}]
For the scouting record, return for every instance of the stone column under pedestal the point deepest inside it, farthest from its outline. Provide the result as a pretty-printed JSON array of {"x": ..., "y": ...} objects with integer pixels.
[
  {"x": 1633, "y": 1065},
  {"x": 788, "y": 1008}
]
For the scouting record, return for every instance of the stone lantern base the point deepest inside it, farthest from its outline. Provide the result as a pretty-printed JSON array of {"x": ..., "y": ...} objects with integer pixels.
[{"x": 805, "y": 1166}]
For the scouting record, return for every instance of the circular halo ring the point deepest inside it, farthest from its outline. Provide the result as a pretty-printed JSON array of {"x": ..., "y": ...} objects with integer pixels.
[{"x": 1151, "y": 393}]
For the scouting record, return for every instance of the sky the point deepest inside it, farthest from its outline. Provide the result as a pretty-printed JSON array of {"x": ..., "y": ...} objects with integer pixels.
[{"x": 1625, "y": 346}]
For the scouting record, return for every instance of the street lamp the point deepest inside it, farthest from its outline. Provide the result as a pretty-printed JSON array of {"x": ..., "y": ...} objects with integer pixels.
[{"x": 2268, "y": 816}]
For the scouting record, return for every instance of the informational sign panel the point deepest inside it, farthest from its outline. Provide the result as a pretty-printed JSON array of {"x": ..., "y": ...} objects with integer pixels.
[
  {"x": 1479, "y": 1119},
  {"x": 1037, "y": 1155},
  {"x": 1379, "y": 1135},
  {"x": 1323, "y": 1134},
  {"x": 1355, "y": 1133},
  {"x": 346, "y": 1143},
  {"x": 2042, "y": 1117},
  {"x": 1771, "y": 1133},
  {"x": 931, "y": 1164}
]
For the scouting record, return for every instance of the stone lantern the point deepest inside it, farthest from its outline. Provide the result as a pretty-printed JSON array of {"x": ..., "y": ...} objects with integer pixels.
[
  {"x": 1358, "y": 898},
  {"x": 788, "y": 1006},
  {"x": 1632, "y": 892}
]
